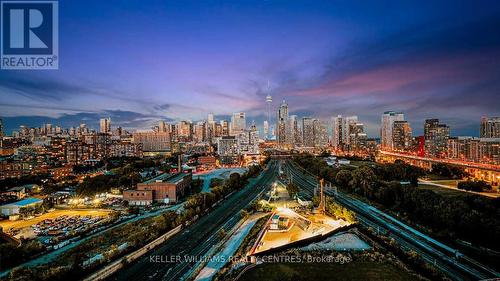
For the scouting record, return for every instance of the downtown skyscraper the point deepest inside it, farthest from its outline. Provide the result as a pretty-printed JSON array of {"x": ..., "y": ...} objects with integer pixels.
[
  {"x": 401, "y": 135},
  {"x": 238, "y": 123},
  {"x": 436, "y": 137},
  {"x": 105, "y": 125},
  {"x": 490, "y": 127},
  {"x": 387, "y": 125},
  {"x": 281, "y": 122}
]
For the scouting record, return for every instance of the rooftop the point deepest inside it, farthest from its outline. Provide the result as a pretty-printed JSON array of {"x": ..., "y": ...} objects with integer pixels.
[
  {"x": 25, "y": 202},
  {"x": 171, "y": 178},
  {"x": 17, "y": 188}
]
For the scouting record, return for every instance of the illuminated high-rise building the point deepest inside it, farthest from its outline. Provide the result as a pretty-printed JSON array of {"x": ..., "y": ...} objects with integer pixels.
[
  {"x": 105, "y": 125},
  {"x": 266, "y": 129},
  {"x": 224, "y": 128},
  {"x": 401, "y": 135},
  {"x": 185, "y": 131},
  {"x": 490, "y": 127},
  {"x": 153, "y": 141},
  {"x": 292, "y": 130},
  {"x": 199, "y": 131},
  {"x": 307, "y": 132},
  {"x": 320, "y": 133},
  {"x": 162, "y": 126},
  {"x": 238, "y": 123},
  {"x": 436, "y": 138},
  {"x": 342, "y": 131},
  {"x": 281, "y": 122},
  {"x": 386, "y": 127},
  {"x": 210, "y": 127}
]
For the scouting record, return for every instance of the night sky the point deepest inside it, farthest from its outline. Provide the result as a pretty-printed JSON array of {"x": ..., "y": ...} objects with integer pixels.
[{"x": 141, "y": 61}]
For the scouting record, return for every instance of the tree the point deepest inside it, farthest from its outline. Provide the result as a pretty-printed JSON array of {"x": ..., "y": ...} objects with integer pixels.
[
  {"x": 234, "y": 182},
  {"x": 364, "y": 178},
  {"x": 292, "y": 189},
  {"x": 343, "y": 178},
  {"x": 244, "y": 214},
  {"x": 477, "y": 186},
  {"x": 221, "y": 234},
  {"x": 386, "y": 194}
]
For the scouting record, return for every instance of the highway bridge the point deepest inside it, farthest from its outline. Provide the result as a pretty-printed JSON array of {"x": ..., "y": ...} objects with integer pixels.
[{"x": 487, "y": 172}]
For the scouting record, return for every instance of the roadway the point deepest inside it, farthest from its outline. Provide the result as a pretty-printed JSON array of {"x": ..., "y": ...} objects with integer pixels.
[
  {"x": 432, "y": 251},
  {"x": 481, "y": 166},
  {"x": 195, "y": 240}
]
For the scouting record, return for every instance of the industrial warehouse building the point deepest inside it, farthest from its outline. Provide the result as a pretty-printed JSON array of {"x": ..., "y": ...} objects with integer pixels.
[
  {"x": 13, "y": 208},
  {"x": 162, "y": 189}
]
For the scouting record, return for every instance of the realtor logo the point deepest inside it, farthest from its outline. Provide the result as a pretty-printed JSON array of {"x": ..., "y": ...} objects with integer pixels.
[{"x": 29, "y": 35}]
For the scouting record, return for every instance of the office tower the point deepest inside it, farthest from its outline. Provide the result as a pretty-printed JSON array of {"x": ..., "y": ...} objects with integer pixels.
[
  {"x": 308, "y": 132},
  {"x": 185, "y": 131},
  {"x": 292, "y": 130},
  {"x": 320, "y": 133},
  {"x": 174, "y": 132},
  {"x": 238, "y": 123},
  {"x": 199, "y": 131},
  {"x": 210, "y": 118},
  {"x": 388, "y": 119},
  {"x": 266, "y": 129},
  {"x": 337, "y": 123},
  {"x": 118, "y": 131},
  {"x": 228, "y": 149},
  {"x": 357, "y": 137},
  {"x": 217, "y": 131},
  {"x": 470, "y": 149},
  {"x": 436, "y": 138},
  {"x": 105, "y": 125},
  {"x": 152, "y": 141},
  {"x": 48, "y": 129},
  {"x": 342, "y": 131},
  {"x": 281, "y": 120},
  {"x": 490, "y": 127},
  {"x": 248, "y": 141},
  {"x": 162, "y": 126},
  {"x": 224, "y": 128},
  {"x": 401, "y": 135},
  {"x": 210, "y": 127},
  {"x": 1, "y": 128}
]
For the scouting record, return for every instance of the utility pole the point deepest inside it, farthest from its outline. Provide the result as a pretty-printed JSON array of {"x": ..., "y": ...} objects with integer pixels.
[
  {"x": 321, "y": 206},
  {"x": 179, "y": 164}
]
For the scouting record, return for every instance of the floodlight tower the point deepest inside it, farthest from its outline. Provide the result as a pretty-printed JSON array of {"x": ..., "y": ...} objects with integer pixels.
[{"x": 321, "y": 207}]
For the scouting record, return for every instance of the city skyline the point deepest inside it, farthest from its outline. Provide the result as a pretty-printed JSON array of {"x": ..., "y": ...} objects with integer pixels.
[
  {"x": 330, "y": 123},
  {"x": 430, "y": 63}
]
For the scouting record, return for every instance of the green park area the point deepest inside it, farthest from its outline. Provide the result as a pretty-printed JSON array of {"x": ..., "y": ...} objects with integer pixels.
[{"x": 445, "y": 192}]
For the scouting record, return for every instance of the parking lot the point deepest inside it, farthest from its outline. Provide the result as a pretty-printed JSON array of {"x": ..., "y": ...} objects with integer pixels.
[{"x": 57, "y": 222}]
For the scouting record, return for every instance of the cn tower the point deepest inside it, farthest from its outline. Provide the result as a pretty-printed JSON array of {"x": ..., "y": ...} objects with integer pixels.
[{"x": 269, "y": 101}]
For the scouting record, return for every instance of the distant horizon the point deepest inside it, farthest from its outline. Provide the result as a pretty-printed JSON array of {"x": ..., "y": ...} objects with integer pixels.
[{"x": 177, "y": 60}]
